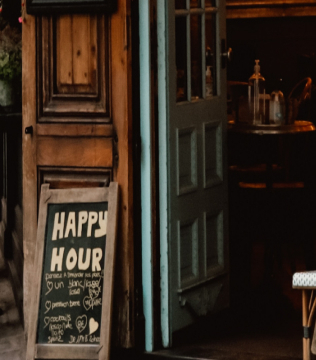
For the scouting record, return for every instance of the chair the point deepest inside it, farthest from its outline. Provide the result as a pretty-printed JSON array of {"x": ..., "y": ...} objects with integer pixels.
[
  {"x": 306, "y": 281},
  {"x": 237, "y": 100}
]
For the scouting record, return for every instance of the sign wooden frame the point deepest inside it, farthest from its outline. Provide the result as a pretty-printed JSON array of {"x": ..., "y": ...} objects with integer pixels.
[
  {"x": 41, "y": 7},
  {"x": 100, "y": 351}
]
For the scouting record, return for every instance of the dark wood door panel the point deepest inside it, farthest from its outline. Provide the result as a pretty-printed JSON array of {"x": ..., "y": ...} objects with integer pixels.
[
  {"x": 73, "y": 68},
  {"x": 74, "y": 151},
  {"x": 66, "y": 178},
  {"x": 105, "y": 130}
]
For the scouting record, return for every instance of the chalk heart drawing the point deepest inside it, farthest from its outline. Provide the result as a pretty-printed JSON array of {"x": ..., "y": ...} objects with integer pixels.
[
  {"x": 94, "y": 292},
  {"x": 46, "y": 321},
  {"x": 50, "y": 286},
  {"x": 81, "y": 322},
  {"x": 93, "y": 326},
  {"x": 48, "y": 306},
  {"x": 87, "y": 303}
]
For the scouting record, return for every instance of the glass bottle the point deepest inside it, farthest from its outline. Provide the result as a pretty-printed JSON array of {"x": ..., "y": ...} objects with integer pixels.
[
  {"x": 256, "y": 96},
  {"x": 277, "y": 108},
  {"x": 208, "y": 82},
  {"x": 208, "y": 74}
]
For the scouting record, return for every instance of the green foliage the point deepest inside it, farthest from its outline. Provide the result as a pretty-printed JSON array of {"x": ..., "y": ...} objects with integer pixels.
[
  {"x": 10, "y": 54},
  {"x": 10, "y": 65}
]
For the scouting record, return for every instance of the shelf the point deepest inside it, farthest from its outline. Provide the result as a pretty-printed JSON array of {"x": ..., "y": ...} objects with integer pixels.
[{"x": 237, "y": 9}]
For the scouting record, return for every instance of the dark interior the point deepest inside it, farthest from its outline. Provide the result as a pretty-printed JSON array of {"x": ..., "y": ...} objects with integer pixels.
[{"x": 272, "y": 230}]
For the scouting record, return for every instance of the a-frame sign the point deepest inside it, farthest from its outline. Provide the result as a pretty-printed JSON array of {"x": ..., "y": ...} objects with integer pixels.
[{"x": 70, "y": 315}]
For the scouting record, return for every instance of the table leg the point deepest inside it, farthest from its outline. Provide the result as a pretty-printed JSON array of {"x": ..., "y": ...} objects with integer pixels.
[{"x": 306, "y": 340}]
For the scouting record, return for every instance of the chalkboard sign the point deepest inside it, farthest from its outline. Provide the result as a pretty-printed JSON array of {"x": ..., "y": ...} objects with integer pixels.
[
  {"x": 74, "y": 274},
  {"x": 70, "y": 6}
]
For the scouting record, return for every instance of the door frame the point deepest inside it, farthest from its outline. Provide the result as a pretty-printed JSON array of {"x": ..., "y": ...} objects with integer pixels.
[
  {"x": 163, "y": 28},
  {"x": 164, "y": 23},
  {"x": 145, "y": 171},
  {"x": 147, "y": 181}
]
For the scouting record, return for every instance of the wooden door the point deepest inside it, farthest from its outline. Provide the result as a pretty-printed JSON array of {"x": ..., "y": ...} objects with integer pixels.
[
  {"x": 76, "y": 127},
  {"x": 194, "y": 229}
]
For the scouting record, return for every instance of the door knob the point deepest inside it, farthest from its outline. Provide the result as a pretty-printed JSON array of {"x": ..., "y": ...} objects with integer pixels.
[
  {"x": 29, "y": 130},
  {"x": 226, "y": 54}
]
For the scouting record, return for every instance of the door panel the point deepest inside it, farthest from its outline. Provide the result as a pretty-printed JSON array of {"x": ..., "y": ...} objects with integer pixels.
[
  {"x": 64, "y": 178},
  {"x": 68, "y": 151},
  {"x": 197, "y": 188},
  {"x": 212, "y": 156},
  {"x": 188, "y": 251},
  {"x": 73, "y": 68},
  {"x": 76, "y": 52},
  {"x": 187, "y": 160}
]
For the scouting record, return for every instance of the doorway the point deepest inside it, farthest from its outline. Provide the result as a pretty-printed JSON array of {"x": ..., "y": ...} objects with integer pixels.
[{"x": 254, "y": 314}]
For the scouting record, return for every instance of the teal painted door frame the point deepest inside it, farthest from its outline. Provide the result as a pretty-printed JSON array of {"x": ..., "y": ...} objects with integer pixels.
[
  {"x": 146, "y": 180},
  {"x": 162, "y": 34},
  {"x": 213, "y": 219}
]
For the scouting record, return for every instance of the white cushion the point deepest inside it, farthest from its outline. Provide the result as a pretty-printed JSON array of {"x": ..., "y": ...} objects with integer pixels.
[{"x": 304, "y": 279}]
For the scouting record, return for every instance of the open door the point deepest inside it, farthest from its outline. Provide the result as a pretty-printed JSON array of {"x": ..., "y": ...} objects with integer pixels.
[{"x": 192, "y": 151}]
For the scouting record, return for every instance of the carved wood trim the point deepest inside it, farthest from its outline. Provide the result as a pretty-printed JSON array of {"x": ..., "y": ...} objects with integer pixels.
[
  {"x": 66, "y": 177},
  {"x": 75, "y": 151},
  {"x": 73, "y": 80},
  {"x": 70, "y": 130},
  {"x": 269, "y": 8}
]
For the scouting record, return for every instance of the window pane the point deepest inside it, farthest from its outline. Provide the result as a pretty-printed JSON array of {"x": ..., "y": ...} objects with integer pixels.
[
  {"x": 210, "y": 61},
  {"x": 181, "y": 58},
  {"x": 180, "y": 4},
  {"x": 196, "y": 59},
  {"x": 195, "y": 4}
]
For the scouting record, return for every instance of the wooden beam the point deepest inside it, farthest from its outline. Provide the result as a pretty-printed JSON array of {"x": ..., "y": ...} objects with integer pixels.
[
  {"x": 29, "y": 156},
  {"x": 121, "y": 109},
  {"x": 270, "y": 8}
]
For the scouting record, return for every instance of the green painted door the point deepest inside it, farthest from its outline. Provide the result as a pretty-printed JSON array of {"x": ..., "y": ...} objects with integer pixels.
[{"x": 193, "y": 179}]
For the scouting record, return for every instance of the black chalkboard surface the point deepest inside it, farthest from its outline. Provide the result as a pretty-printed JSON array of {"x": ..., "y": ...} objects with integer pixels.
[
  {"x": 73, "y": 290},
  {"x": 73, "y": 271}
]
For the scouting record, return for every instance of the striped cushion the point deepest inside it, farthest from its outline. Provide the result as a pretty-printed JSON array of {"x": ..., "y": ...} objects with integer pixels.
[{"x": 304, "y": 279}]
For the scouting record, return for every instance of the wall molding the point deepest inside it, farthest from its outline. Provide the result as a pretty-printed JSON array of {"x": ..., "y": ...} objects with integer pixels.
[{"x": 269, "y": 8}]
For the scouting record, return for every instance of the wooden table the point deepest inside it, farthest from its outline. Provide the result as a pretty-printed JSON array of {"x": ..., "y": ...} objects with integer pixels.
[
  {"x": 299, "y": 126},
  {"x": 271, "y": 145},
  {"x": 265, "y": 180}
]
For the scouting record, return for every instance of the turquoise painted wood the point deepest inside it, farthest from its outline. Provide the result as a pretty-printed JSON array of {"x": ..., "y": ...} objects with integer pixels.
[
  {"x": 192, "y": 157},
  {"x": 146, "y": 181},
  {"x": 162, "y": 34}
]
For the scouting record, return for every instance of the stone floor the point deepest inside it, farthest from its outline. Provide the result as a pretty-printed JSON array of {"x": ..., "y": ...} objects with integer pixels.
[
  {"x": 12, "y": 340},
  {"x": 241, "y": 338}
]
